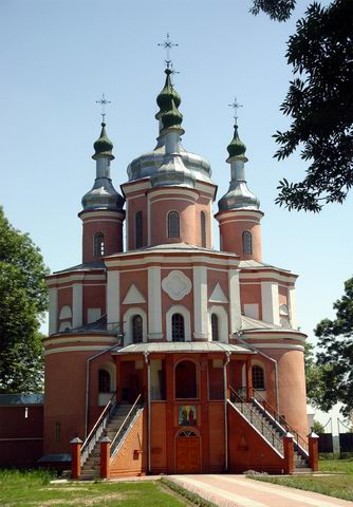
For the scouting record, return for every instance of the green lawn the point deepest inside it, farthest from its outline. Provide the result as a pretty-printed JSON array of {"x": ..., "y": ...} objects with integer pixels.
[
  {"x": 339, "y": 485},
  {"x": 34, "y": 489}
]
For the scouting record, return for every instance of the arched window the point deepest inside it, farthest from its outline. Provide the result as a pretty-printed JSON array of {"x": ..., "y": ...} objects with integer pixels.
[
  {"x": 99, "y": 244},
  {"x": 103, "y": 381},
  {"x": 203, "y": 228},
  {"x": 258, "y": 377},
  {"x": 138, "y": 229},
  {"x": 186, "y": 380},
  {"x": 173, "y": 224},
  {"x": 178, "y": 328},
  {"x": 247, "y": 243},
  {"x": 137, "y": 329},
  {"x": 214, "y": 327}
]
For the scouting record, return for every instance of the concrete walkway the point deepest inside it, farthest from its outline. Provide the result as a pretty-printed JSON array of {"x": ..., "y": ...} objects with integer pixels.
[{"x": 240, "y": 491}]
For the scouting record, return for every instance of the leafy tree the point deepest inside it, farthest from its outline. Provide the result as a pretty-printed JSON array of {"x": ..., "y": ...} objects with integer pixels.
[
  {"x": 317, "y": 427},
  {"x": 314, "y": 376},
  {"x": 23, "y": 299},
  {"x": 319, "y": 101},
  {"x": 336, "y": 354}
]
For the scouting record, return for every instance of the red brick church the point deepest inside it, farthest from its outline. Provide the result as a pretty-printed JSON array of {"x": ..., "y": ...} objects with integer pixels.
[{"x": 179, "y": 357}]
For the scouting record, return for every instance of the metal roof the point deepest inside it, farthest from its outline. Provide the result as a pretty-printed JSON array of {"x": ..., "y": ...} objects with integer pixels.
[{"x": 193, "y": 347}]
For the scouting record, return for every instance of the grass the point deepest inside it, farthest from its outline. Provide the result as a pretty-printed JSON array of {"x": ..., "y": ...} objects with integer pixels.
[
  {"x": 34, "y": 489},
  {"x": 338, "y": 485}
]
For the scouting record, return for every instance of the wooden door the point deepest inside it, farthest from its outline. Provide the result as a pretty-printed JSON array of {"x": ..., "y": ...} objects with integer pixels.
[{"x": 188, "y": 453}]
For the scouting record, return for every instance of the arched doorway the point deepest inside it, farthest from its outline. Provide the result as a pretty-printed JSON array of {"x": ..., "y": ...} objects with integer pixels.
[{"x": 187, "y": 452}]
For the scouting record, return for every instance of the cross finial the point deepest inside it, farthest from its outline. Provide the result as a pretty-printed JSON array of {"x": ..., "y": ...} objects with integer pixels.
[
  {"x": 167, "y": 45},
  {"x": 103, "y": 102},
  {"x": 235, "y": 107}
]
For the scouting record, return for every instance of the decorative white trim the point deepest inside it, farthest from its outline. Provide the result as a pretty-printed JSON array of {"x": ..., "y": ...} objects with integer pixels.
[
  {"x": 77, "y": 302},
  {"x": 133, "y": 296},
  {"x": 65, "y": 312},
  {"x": 292, "y": 303},
  {"x": 218, "y": 295},
  {"x": 127, "y": 318},
  {"x": 278, "y": 346},
  {"x": 177, "y": 285},
  {"x": 155, "y": 329},
  {"x": 223, "y": 329},
  {"x": 200, "y": 302},
  {"x": 53, "y": 309},
  {"x": 186, "y": 314},
  {"x": 270, "y": 302},
  {"x": 113, "y": 298},
  {"x": 110, "y": 340},
  {"x": 83, "y": 348},
  {"x": 234, "y": 300}
]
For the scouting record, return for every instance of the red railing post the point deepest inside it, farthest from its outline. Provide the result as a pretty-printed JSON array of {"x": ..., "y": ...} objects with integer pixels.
[
  {"x": 105, "y": 458},
  {"x": 313, "y": 451},
  {"x": 75, "y": 457},
  {"x": 288, "y": 449}
]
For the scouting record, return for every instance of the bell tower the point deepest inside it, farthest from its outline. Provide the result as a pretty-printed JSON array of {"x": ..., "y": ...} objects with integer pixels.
[
  {"x": 239, "y": 215},
  {"x": 102, "y": 215}
]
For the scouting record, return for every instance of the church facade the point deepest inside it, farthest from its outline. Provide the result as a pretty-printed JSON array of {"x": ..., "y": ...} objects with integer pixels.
[{"x": 200, "y": 346}]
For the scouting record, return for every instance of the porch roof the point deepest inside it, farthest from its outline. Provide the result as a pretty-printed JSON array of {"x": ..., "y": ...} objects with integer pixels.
[{"x": 190, "y": 347}]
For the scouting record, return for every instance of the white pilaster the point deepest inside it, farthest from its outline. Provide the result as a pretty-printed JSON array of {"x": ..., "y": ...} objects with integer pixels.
[
  {"x": 155, "y": 330},
  {"x": 113, "y": 299},
  {"x": 292, "y": 307},
  {"x": 200, "y": 303},
  {"x": 77, "y": 300},
  {"x": 53, "y": 310},
  {"x": 234, "y": 301},
  {"x": 270, "y": 302}
]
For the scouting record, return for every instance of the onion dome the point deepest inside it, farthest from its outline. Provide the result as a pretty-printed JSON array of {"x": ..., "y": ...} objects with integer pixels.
[
  {"x": 236, "y": 147},
  {"x": 103, "y": 195},
  {"x": 166, "y": 95},
  {"x": 172, "y": 118},
  {"x": 238, "y": 195},
  {"x": 103, "y": 146}
]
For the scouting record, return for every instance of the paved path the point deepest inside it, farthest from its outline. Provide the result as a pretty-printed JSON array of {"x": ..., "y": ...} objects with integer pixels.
[{"x": 240, "y": 491}]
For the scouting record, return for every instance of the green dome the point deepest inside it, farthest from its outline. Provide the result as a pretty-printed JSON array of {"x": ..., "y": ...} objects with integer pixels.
[
  {"x": 236, "y": 147},
  {"x": 172, "y": 117},
  {"x": 167, "y": 95},
  {"x": 103, "y": 146}
]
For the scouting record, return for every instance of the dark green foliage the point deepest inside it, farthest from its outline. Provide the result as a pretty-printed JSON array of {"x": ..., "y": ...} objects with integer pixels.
[
  {"x": 315, "y": 385},
  {"x": 280, "y": 10},
  {"x": 319, "y": 101},
  {"x": 23, "y": 299},
  {"x": 336, "y": 354}
]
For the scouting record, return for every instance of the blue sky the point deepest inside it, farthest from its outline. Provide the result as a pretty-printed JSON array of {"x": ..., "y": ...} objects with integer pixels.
[{"x": 58, "y": 56}]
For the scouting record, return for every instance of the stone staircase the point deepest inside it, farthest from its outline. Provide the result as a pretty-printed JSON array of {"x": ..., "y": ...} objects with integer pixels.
[
  {"x": 271, "y": 431},
  {"x": 91, "y": 468}
]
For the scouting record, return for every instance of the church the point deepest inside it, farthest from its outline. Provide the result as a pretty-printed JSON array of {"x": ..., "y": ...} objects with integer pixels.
[{"x": 165, "y": 355}]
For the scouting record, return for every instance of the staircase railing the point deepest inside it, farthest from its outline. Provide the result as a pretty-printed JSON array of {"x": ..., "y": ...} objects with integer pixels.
[
  {"x": 124, "y": 426},
  {"x": 257, "y": 421},
  {"x": 97, "y": 430},
  {"x": 300, "y": 444}
]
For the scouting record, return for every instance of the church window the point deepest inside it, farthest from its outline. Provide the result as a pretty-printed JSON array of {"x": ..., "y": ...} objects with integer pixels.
[
  {"x": 258, "y": 377},
  {"x": 137, "y": 329},
  {"x": 103, "y": 381},
  {"x": 215, "y": 327},
  {"x": 138, "y": 229},
  {"x": 178, "y": 328},
  {"x": 99, "y": 244},
  {"x": 186, "y": 382},
  {"x": 173, "y": 224},
  {"x": 247, "y": 243},
  {"x": 203, "y": 228}
]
